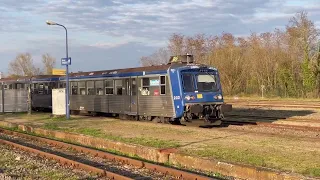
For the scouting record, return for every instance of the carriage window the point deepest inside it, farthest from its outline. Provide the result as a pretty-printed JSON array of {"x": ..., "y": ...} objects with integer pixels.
[
  {"x": 74, "y": 88},
  {"x": 90, "y": 88},
  {"x": 62, "y": 85},
  {"x": 5, "y": 86},
  {"x": 109, "y": 87},
  {"x": 20, "y": 86},
  {"x": 99, "y": 87},
  {"x": 145, "y": 87},
  {"x": 46, "y": 88},
  {"x": 52, "y": 85},
  {"x": 40, "y": 89},
  {"x": 11, "y": 86},
  {"x": 162, "y": 85},
  {"x": 82, "y": 88},
  {"x": 118, "y": 86}
]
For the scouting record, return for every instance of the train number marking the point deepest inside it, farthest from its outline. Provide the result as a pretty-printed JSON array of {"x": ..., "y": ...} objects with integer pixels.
[{"x": 176, "y": 97}]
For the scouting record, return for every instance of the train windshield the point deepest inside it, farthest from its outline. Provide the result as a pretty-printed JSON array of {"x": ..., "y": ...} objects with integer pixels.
[
  {"x": 202, "y": 82},
  {"x": 206, "y": 82}
]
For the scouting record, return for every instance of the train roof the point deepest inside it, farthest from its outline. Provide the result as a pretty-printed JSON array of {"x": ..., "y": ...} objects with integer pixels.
[
  {"x": 121, "y": 71},
  {"x": 88, "y": 73},
  {"x": 157, "y": 69}
]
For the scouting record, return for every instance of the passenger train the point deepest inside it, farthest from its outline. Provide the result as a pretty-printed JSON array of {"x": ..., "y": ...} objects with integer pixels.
[{"x": 178, "y": 91}]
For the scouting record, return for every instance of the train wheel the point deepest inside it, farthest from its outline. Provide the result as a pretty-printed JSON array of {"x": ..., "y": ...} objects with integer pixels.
[{"x": 156, "y": 120}]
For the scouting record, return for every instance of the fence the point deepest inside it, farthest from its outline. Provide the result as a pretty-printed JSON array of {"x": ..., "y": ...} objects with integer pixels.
[{"x": 13, "y": 100}]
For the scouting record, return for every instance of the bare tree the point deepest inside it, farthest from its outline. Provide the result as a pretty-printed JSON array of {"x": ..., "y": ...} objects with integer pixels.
[
  {"x": 159, "y": 57},
  {"x": 23, "y": 65},
  {"x": 177, "y": 44},
  {"x": 48, "y": 63}
]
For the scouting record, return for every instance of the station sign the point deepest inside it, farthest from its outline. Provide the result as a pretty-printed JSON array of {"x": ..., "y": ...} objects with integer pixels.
[
  {"x": 58, "y": 72},
  {"x": 65, "y": 61}
]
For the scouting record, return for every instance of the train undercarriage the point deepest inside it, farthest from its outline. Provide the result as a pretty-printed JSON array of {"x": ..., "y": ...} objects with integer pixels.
[{"x": 211, "y": 113}]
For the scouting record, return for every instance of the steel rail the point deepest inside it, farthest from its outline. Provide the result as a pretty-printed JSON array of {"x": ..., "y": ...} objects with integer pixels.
[
  {"x": 65, "y": 161},
  {"x": 102, "y": 154},
  {"x": 288, "y": 126}
]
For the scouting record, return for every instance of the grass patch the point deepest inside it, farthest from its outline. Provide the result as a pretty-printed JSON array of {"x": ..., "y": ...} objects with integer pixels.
[
  {"x": 250, "y": 157},
  {"x": 56, "y": 175},
  {"x": 51, "y": 126},
  {"x": 230, "y": 155},
  {"x": 315, "y": 172},
  {"x": 144, "y": 141}
]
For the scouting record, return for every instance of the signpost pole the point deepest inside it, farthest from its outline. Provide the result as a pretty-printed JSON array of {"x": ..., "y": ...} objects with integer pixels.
[
  {"x": 67, "y": 68},
  {"x": 67, "y": 77}
]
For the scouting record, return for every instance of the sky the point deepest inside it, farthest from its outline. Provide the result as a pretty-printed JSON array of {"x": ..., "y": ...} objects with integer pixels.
[{"x": 109, "y": 34}]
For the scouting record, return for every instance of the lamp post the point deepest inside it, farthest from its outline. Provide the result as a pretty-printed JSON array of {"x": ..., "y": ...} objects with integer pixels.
[{"x": 67, "y": 67}]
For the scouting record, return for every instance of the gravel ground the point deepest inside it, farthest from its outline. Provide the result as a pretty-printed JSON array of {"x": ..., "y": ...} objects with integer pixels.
[
  {"x": 17, "y": 164},
  {"x": 117, "y": 167}
]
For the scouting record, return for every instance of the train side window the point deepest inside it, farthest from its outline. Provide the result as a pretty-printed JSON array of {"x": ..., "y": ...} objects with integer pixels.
[
  {"x": 82, "y": 88},
  {"x": 11, "y": 86},
  {"x": 118, "y": 87},
  {"x": 74, "y": 88},
  {"x": 145, "y": 87},
  {"x": 99, "y": 87},
  {"x": 90, "y": 88},
  {"x": 162, "y": 85},
  {"x": 19, "y": 86},
  {"x": 109, "y": 87},
  {"x": 46, "y": 88},
  {"x": 62, "y": 85},
  {"x": 40, "y": 89},
  {"x": 5, "y": 86}
]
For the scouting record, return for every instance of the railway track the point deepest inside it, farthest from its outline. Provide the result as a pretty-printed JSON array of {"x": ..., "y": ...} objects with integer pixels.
[
  {"x": 104, "y": 164},
  {"x": 275, "y": 104},
  {"x": 265, "y": 121}
]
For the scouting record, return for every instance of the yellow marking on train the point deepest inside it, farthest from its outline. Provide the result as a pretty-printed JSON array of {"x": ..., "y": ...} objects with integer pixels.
[{"x": 199, "y": 96}]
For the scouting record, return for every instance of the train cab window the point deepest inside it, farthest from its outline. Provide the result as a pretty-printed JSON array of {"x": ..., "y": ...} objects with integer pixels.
[
  {"x": 90, "y": 88},
  {"x": 145, "y": 87},
  {"x": 82, "y": 88},
  {"x": 162, "y": 85},
  {"x": 188, "y": 83},
  {"x": 118, "y": 87},
  {"x": 99, "y": 87},
  {"x": 109, "y": 87},
  {"x": 74, "y": 88}
]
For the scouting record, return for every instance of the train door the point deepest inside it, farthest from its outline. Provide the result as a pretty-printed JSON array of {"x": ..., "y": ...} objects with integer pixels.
[
  {"x": 127, "y": 96},
  {"x": 134, "y": 96},
  {"x": 130, "y": 96}
]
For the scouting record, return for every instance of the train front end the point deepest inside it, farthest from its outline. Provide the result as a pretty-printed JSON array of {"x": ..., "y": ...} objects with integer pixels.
[{"x": 200, "y": 94}]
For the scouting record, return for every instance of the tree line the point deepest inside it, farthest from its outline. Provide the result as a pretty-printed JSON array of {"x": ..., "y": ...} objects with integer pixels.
[
  {"x": 23, "y": 65},
  {"x": 284, "y": 63}
]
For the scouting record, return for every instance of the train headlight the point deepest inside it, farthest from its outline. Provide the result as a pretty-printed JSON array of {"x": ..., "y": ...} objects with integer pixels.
[
  {"x": 188, "y": 97},
  {"x": 218, "y": 97}
]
